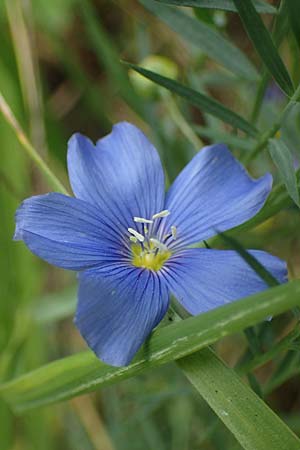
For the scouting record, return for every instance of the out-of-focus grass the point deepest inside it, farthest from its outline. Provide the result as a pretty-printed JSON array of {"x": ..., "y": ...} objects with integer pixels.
[{"x": 76, "y": 47}]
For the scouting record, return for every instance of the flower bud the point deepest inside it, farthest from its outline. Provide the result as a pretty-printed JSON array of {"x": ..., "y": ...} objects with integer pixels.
[{"x": 159, "y": 64}]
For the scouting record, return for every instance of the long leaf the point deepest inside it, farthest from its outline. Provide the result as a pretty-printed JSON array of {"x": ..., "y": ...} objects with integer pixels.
[
  {"x": 264, "y": 45},
  {"x": 201, "y": 101},
  {"x": 55, "y": 306},
  {"x": 205, "y": 38},
  {"x": 252, "y": 422},
  {"x": 288, "y": 368},
  {"x": 107, "y": 55},
  {"x": 294, "y": 18},
  {"x": 83, "y": 372},
  {"x": 225, "y": 5},
  {"x": 284, "y": 161},
  {"x": 261, "y": 271},
  {"x": 278, "y": 199},
  {"x": 217, "y": 135}
]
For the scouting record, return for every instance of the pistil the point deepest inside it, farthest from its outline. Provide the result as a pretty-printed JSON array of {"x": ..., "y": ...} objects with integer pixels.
[{"x": 148, "y": 251}]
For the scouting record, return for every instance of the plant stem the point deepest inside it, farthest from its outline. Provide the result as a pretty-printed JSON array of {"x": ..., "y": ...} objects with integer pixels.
[
  {"x": 259, "y": 98},
  {"x": 180, "y": 121},
  {"x": 28, "y": 147},
  {"x": 280, "y": 27},
  {"x": 263, "y": 141}
]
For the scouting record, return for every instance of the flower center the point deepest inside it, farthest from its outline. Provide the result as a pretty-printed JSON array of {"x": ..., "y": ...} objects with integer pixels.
[{"x": 148, "y": 251}]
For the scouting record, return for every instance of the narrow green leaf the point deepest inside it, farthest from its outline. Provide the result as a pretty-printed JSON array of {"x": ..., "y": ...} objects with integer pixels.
[
  {"x": 205, "y": 38},
  {"x": 225, "y": 5},
  {"x": 261, "y": 271},
  {"x": 107, "y": 55},
  {"x": 83, "y": 372},
  {"x": 284, "y": 161},
  {"x": 201, "y": 101},
  {"x": 283, "y": 345},
  {"x": 55, "y": 306},
  {"x": 277, "y": 200},
  {"x": 252, "y": 422},
  {"x": 217, "y": 135},
  {"x": 294, "y": 17},
  {"x": 288, "y": 368},
  {"x": 264, "y": 45}
]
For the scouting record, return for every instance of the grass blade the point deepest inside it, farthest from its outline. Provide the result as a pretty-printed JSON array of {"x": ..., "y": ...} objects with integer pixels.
[
  {"x": 108, "y": 56},
  {"x": 225, "y": 5},
  {"x": 205, "y": 38},
  {"x": 284, "y": 161},
  {"x": 201, "y": 101},
  {"x": 277, "y": 200},
  {"x": 294, "y": 18},
  {"x": 55, "y": 306},
  {"x": 252, "y": 422},
  {"x": 288, "y": 368},
  {"x": 261, "y": 271},
  {"x": 262, "y": 41},
  {"x": 217, "y": 135},
  {"x": 83, "y": 372}
]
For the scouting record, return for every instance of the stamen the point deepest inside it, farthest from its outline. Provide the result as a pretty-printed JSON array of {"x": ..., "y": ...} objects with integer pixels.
[
  {"x": 136, "y": 234},
  {"x": 166, "y": 236},
  {"x": 145, "y": 229},
  {"x": 163, "y": 213},
  {"x": 133, "y": 239},
  {"x": 174, "y": 232},
  {"x": 159, "y": 245},
  {"x": 142, "y": 220}
]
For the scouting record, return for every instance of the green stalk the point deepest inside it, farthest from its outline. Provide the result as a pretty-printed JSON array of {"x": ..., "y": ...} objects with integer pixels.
[
  {"x": 280, "y": 26},
  {"x": 252, "y": 422},
  {"x": 180, "y": 121},
  {"x": 271, "y": 132},
  {"x": 259, "y": 97},
  {"x": 28, "y": 147}
]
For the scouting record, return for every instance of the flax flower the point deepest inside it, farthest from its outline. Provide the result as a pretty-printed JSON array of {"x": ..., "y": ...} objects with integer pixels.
[{"x": 131, "y": 243}]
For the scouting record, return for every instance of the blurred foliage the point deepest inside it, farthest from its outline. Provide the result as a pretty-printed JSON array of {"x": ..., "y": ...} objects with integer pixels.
[{"x": 61, "y": 72}]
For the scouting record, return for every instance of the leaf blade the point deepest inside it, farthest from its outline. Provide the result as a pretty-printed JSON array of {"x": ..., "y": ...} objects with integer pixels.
[
  {"x": 205, "y": 38},
  {"x": 263, "y": 43},
  {"x": 203, "y": 102},
  {"x": 251, "y": 421},
  {"x": 283, "y": 160},
  {"x": 83, "y": 372},
  {"x": 260, "y": 270},
  {"x": 294, "y": 18},
  {"x": 225, "y": 5},
  {"x": 277, "y": 200}
]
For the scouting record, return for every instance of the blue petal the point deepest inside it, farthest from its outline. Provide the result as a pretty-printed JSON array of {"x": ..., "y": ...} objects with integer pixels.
[
  {"x": 213, "y": 193},
  {"x": 204, "y": 279},
  {"x": 116, "y": 314},
  {"x": 67, "y": 232},
  {"x": 122, "y": 174}
]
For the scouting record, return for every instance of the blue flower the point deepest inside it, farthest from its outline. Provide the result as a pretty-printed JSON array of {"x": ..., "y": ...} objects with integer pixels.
[{"x": 130, "y": 242}]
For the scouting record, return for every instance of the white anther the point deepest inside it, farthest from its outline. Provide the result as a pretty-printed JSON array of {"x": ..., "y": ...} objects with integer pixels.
[
  {"x": 142, "y": 220},
  {"x": 159, "y": 245},
  {"x": 174, "y": 232},
  {"x": 163, "y": 213},
  {"x": 136, "y": 234},
  {"x": 145, "y": 229},
  {"x": 133, "y": 239}
]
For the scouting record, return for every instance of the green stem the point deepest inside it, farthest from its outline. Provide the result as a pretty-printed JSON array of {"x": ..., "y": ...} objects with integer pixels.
[
  {"x": 28, "y": 147},
  {"x": 180, "y": 121},
  {"x": 261, "y": 359},
  {"x": 259, "y": 98},
  {"x": 263, "y": 141},
  {"x": 279, "y": 26}
]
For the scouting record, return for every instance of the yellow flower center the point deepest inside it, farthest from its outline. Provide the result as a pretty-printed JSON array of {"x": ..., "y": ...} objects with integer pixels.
[
  {"x": 148, "y": 251},
  {"x": 149, "y": 258}
]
